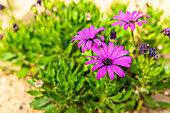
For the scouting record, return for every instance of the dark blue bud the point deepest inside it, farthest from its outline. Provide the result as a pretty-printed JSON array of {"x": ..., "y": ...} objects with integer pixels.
[
  {"x": 113, "y": 35},
  {"x": 15, "y": 27},
  {"x": 1, "y": 7},
  {"x": 39, "y": 2}
]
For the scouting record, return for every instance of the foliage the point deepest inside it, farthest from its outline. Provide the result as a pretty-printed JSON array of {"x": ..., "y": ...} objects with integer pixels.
[{"x": 43, "y": 48}]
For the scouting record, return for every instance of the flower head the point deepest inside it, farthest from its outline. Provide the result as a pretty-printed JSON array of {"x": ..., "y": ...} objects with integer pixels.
[
  {"x": 88, "y": 37},
  {"x": 108, "y": 59},
  {"x": 15, "y": 27},
  {"x": 167, "y": 32},
  {"x": 1, "y": 7},
  {"x": 152, "y": 52},
  {"x": 113, "y": 35},
  {"x": 38, "y": 83},
  {"x": 129, "y": 19},
  {"x": 39, "y": 2},
  {"x": 144, "y": 48}
]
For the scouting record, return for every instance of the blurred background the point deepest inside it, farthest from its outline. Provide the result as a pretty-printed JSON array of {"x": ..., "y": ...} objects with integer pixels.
[{"x": 13, "y": 96}]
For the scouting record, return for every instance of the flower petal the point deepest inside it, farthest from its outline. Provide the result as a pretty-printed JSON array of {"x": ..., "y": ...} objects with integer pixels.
[
  {"x": 120, "y": 18},
  {"x": 96, "y": 50},
  {"x": 76, "y": 39},
  {"x": 84, "y": 47},
  {"x": 104, "y": 49},
  {"x": 80, "y": 43},
  {"x": 123, "y": 15},
  {"x": 88, "y": 44},
  {"x": 93, "y": 61},
  {"x": 97, "y": 66},
  {"x": 128, "y": 15},
  {"x": 142, "y": 16},
  {"x": 132, "y": 26},
  {"x": 133, "y": 14},
  {"x": 118, "y": 70},
  {"x": 110, "y": 71},
  {"x": 144, "y": 21},
  {"x": 99, "y": 29},
  {"x": 97, "y": 41},
  {"x": 122, "y": 53},
  {"x": 139, "y": 23},
  {"x": 126, "y": 26},
  {"x": 140, "y": 12},
  {"x": 110, "y": 49},
  {"x": 102, "y": 37},
  {"x": 92, "y": 29},
  {"x": 117, "y": 23},
  {"x": 101, "y": 72}
]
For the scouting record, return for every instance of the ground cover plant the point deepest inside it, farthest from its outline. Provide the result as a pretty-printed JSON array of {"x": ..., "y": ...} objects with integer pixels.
[{"x": 59, "y": 50}]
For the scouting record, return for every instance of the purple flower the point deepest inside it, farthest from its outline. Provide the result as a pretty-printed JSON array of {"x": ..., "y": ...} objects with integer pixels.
[
  {"x": 113, "y": 35},
  {"x": 167, "y": 32},
  {"x": 39, "y": 2},
  {"x": 144, "y": 48},
  {"x": 152, "y": 52},
  {"x": 1, "y": 7},
  {"x": 129, "y": 19},
  {"x": 108, "y": 59},
  {"x": 15, "y": 27},
  {"x": 88, "y": 37}
]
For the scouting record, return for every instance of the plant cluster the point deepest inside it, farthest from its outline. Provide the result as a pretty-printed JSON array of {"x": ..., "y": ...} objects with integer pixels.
[{"x": 61, "y": 72}]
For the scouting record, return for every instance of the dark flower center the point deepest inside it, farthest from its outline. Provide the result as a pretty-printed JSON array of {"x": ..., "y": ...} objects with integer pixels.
[
  {"x": 91, "y": 39},
  {"x": 131, "y": 21},
  {"x": 107, "y": 61}
]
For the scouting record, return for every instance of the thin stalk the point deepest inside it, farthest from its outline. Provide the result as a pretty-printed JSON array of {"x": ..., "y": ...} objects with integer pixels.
[{"x": 136, "y": 48}]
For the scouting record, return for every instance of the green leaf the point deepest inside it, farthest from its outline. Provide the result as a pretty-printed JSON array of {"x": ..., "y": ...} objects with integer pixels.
[
  {"x": 23, "y": 72},
  {"x": 164, "y": 104},
  {"x": 34, "y": 92},
  {"x": 151, "y": 102},
  {"x": 38, "y": 103}
]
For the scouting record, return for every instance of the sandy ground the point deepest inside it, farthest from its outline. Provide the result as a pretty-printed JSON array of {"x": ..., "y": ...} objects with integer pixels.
[{"x": 13, "y": 96}]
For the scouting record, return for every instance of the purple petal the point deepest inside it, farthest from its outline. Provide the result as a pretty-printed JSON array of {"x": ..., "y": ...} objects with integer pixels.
[
  {"x": 96, "y": 50},
  {"x": 110, "y": 71},
  {"x": 118, "y": 70},
  {"x": 101, "y": 72},
  {"x": 97, "y": 66},
  {"x": 84, "y": 47},
  {"x": 162, "y": 31},
  {"x": 132, "y": 26},
  {"x": 93, "y": 61},
  {"x": 126, "y": 26},
  {"x": 137, "y": 15},
  {"x": 144, "y": 21},
  {"x": 102, "y": 37},
  {"x": 116, "y": 52},
  {"x": 80, "y": 43},
  {"x": 122, "y": 64},
  {"x": 125, "y": 58},
  {"x": 139, "y": 23},
  {"x": 117, "y": 23},
  {"x": 133, "y": 14},
  {"x": 142, "y": 16},
  {"x": 122, "y": 53},
  {"x": 123, "y": 15},
  {"x": 88, "y": 44},
  {"x": 104, "y": 49},
  {"x": 128, "y": 15},
  {"x": 86, "y": 32},
  {"x": 92, "y": 29},
  {"x": 76, "y": 39},
  {"x": 110, "y": 49},
  {"x": 120, "y": 18},
  {"x": 99, "y": 29},
  {"x": 122, "y": 24},
  {"x": 82, "y": 35},
  {"x": 97, "y": 41}
]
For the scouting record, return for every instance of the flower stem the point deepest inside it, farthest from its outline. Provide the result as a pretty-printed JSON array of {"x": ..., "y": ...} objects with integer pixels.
[{"x": 136, "y": 48}]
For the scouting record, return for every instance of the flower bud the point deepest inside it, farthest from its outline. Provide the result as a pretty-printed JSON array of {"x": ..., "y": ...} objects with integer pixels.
[{"x": 113, "y": 35}]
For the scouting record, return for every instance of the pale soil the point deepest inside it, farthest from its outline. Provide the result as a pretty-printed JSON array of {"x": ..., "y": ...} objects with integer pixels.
[{"x": 13, "y": 96}]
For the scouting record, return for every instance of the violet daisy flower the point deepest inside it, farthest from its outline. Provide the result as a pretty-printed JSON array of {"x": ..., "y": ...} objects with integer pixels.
[
  {"x": 88, "y": 37},
  {"x": 167, "y": 32},
  {"x": 129, "y": 19},
  {"x": 108, "y": 59},
  {"x": 144, "y": 48}
]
